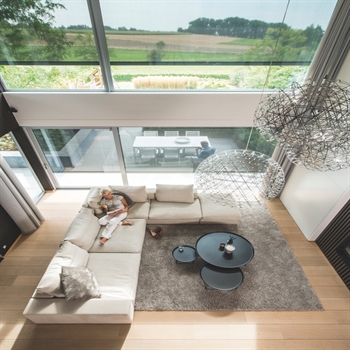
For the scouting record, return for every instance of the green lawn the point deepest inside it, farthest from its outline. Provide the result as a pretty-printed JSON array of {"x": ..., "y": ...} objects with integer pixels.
[
  {"x": 126, "y": 55},
  {"x": 120, "y": 55}
]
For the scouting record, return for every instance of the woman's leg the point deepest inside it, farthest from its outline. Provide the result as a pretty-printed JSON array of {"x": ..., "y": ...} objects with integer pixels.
[
  {"x": 104, "y": 220},
  {"x": 111, "y": 224}
]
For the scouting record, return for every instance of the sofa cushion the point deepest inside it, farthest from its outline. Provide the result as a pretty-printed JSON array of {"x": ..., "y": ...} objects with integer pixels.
[
  {"x": 83, "y": 229},
  {"x": 217, "y": 213},
  {"x": 94, "y": 199},
  {"x": 116, "y": 274},
  {"x": 139, "y": 211},
  {"x": 79, "y": 283},
  {"x": 67, "y": 254},
  {"x": 174, "y": 193},
  {"x": 136, "y": 193},
  {"x": 172, "y": 213},
  {"x": 125, "y": 239}
]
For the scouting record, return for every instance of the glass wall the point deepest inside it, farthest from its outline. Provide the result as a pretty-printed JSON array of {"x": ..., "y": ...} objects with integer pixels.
[
  {"x": 136, "y": 155},
  {"x": 170, "y": 155},
  {"x": 147, "y": 44},
  {"x": 48, "y": 45},
  {"x": 15, "y": 158},
  {"x": 80, "y": 157},
  {"x": 212, "y": 44}
]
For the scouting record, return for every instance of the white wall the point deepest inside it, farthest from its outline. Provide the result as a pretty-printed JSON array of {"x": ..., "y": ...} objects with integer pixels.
[
  {"x": 99, "y": 109},
  {"x": 313, "y": 198}
]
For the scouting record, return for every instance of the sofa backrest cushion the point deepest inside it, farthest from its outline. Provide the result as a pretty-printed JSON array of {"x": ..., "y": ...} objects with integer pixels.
[
  {"x": 125, "y": 196},
  {"x": 94, "y": 199},
  {"x": 135, "y": 193},
  {"x": 83, "y": 229},
  {"x": 68, "y": 254},
  {"x": 174, "y": 193}
]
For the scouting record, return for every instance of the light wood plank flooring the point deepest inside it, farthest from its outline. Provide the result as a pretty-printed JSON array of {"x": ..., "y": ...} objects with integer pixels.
[{"x": 27, "y": 260}]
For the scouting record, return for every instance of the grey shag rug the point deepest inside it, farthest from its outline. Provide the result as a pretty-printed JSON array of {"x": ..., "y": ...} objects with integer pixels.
[{"x": 273, "y": 280}]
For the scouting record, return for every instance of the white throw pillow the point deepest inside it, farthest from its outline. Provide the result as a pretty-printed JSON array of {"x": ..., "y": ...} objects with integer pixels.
[
  {"x": 174, "y": 193},
  {"x": 83, "y": 230},
  {"x": 67, "y": 254},
  {"x": 136, "y": 193}
]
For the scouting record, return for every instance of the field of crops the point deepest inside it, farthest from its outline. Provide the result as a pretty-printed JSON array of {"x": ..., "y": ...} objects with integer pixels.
[
  {"x": 179, "y": 43},
  {"x": 126, "y": 50}
]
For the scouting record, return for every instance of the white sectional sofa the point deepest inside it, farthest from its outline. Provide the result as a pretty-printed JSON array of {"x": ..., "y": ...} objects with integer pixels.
[
  {"x": 170, "y": 204},
  {"x": 87, "y": 282}
]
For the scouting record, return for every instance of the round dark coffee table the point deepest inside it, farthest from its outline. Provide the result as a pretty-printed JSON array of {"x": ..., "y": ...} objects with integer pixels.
[
  {"x": 222, "y": 279},
  {"x": 187, "y": 255},
  {"x": 208, "y": 248}
]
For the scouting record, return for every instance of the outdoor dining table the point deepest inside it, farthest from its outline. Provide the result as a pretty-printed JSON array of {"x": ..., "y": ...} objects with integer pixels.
[
  {"x": 169, "y": 141},
  {"x": 160, "y": 142}
]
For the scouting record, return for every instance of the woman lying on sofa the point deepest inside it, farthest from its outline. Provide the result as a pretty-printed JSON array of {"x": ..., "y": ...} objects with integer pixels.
[{"x": 116, "y": 208}]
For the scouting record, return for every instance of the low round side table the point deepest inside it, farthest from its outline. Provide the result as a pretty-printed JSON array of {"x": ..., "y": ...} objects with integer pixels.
[
  {"x": 187, "y": 255},
  {"x": 220, "y": 278}
]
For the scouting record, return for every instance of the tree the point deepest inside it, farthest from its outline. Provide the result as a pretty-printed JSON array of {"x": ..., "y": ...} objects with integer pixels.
[
  {"x": 290, "y": 45},
  {"x": 85, "y": 47},
  {"x": 27, "y": 31},
  {"x": 157, "y": 54},
  {"x": 313, "y": 35}
]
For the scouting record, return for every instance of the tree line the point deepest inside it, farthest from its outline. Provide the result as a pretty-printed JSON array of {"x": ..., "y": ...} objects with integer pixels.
[
  {"x": 28, "y": 33},
  {"x": 85, "y": 27},
  {"x": 244, "y": 28}
]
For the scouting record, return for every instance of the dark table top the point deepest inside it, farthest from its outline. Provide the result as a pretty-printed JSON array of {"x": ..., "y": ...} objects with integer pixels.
[
  {"x": 208, "y": 248},
  {"x": 188, "y": 254},
  {"x": 223, "y": 279}
]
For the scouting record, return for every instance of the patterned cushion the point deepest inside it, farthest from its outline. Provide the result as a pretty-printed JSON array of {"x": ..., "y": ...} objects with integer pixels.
[{"x": 79, "y": 283}]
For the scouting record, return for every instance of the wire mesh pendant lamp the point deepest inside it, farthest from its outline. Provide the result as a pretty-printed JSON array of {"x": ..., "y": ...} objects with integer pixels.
[
  {"x": 311, "y": 122},
  {"x": 239, "y": 177}
]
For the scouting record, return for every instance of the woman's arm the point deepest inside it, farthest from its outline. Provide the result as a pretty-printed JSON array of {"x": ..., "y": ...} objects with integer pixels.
[
  {"x": 126, "y": 205},
  {"x": 103, "y": 206}
]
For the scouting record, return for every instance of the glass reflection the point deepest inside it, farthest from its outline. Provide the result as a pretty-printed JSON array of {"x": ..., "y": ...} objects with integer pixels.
[
  {"x": 80, "y": 157},
  {"x": 17, "y": 161},
  {"x": 195, "y": 44},
  {"x": 48, "y": 45}
]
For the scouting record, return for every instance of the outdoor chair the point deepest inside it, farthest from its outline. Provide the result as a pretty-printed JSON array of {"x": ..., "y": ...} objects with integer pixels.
[
  {"x": 150, "y": 133},
  {"x": 147, "y": 155},
  {"x": 191, "y": 151},
  {"x": 193, "y": 133},
  {"x": 171, "y": 133},
  {"x": 173, "y": 153}
]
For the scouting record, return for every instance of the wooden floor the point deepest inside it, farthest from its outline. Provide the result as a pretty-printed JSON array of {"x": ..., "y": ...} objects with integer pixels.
[{"x": 27, "y": 260}]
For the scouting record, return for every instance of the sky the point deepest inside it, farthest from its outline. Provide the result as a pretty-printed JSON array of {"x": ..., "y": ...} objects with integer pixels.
[{"x": 169, "y": 15}]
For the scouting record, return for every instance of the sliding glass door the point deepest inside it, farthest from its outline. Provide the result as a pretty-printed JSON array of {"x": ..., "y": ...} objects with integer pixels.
[
  {"x": 79, "y": 157},
  {"x": 83, "y": 158}
]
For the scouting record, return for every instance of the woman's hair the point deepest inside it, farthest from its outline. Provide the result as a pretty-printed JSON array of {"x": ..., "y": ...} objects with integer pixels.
[{"x": 103, "y": 191}]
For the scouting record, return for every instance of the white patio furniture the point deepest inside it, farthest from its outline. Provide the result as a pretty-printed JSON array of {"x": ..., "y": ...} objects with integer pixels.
[
  {"x": 193, "y": 133},
  {"x": 150, "y": 133},
  {"x": 171, "y": 148},
  {"x": 171, "y": 133}
]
